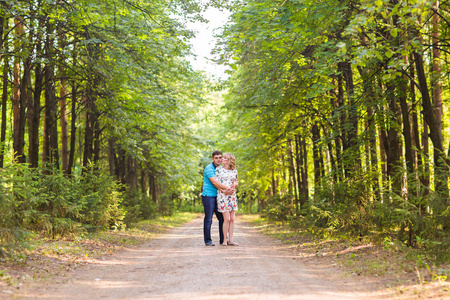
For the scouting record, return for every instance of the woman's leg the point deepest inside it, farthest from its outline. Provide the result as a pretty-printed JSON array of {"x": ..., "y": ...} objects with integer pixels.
[
  {"x": 231, "y": 226},
  {"x": 226, "y": 223}
]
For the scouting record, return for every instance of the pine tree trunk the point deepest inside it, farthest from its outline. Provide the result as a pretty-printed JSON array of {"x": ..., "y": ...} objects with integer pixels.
[
  {"x": 383, "y": 157},
  {"x": 50, "y": 141},
  {"x": 299, "y": 164},
  {"x": 132, "y": 173},
  {"x": 112, "y": 160},
  {"x": 273, "y": 190},
  {"x": 352, "y": 121},
  {"x": 63, "y": 123},
  {"x": 330, "y": 154},
  {"x": 292, "y": 180},
  {"x": 304, "y": 155},
  {"x": 406, "y": 125},
  {"x": 335, "y": 94},
  {"x": 89, "y": 128},
  {"x": 439, "y": 181},
  {"x": 3, "y": 44},
  {"x": 34, "y": 116},
  {"x": 73, "y": 121},
  {"x": 152, "y": 183},
  {"x": 4, "y": 110},
  {"x": 18, "y": 98},
  {"x": 394, "y": 152},
  {"x": 441, "y": 170},
  {"x": 50, "y": 152},
  {"x": 342, "y": 133},
  {"x": 144, "y": 189},
  {"x": 417, "y": 156},
  {"x": 316, "y": 156}
]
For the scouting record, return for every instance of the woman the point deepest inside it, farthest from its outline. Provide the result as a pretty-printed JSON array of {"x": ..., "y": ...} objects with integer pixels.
[{"x": 227, "y": 204}]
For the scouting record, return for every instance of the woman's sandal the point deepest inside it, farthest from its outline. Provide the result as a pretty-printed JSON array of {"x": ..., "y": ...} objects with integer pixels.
[{"x": 232, "y": 244}]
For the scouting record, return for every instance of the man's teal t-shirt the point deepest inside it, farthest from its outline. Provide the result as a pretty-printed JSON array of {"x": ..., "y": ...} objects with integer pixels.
[{"x": 208, "y": 188}]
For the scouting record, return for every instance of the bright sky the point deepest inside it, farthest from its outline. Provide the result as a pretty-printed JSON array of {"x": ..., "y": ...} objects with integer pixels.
[{"x": 205, "y": 41}]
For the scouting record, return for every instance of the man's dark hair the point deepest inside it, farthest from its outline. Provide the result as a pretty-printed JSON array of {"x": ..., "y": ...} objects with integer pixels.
[{"x": 217, "y": 152}]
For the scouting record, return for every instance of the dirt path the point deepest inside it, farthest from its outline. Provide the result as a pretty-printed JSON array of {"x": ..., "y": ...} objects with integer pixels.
[{"x": 177, "y": 265}]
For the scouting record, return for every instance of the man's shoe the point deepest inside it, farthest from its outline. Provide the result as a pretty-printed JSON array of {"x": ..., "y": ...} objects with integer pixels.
[{"x": 209, "y": 243}]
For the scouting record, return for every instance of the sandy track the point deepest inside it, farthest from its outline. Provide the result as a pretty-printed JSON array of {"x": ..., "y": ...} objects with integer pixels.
[{"x": 177, "y": 265}]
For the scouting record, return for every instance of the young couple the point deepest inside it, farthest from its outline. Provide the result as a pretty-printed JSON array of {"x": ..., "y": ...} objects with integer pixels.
[{"x": 219, "y": 197}]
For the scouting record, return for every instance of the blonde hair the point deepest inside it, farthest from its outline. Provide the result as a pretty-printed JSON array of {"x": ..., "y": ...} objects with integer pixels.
[{"x": 231, "y": 160}]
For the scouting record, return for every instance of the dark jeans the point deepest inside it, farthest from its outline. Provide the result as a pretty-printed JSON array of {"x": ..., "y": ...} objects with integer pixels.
[{"x": 210, "y": 207}]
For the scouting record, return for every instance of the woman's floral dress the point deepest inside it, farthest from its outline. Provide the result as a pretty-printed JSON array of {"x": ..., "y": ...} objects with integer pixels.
[{"x": 226, "y": 202}]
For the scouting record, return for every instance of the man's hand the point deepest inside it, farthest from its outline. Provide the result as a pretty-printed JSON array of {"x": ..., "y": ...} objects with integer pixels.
[{"x": 229, "y": 191}]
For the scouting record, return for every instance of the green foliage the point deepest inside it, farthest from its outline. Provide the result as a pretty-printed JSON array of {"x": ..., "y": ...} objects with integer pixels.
[
  {"x": 100, "y": 199},
  {"x": 58, "y": 206},
  {"x": 278, "y": 208},
  {"x": 138, "y": 207},
  {"x": 17, "y": 203},
  {"x": 53, "y": 204}
]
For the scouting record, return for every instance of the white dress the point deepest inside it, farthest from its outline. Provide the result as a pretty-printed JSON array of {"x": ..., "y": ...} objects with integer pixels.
[{"x": 226, "y": 177}]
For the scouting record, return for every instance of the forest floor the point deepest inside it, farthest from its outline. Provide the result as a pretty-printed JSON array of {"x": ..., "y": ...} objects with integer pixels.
[{"x": 174, "y": 263}]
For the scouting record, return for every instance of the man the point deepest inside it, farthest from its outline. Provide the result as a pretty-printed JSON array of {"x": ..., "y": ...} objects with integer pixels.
[{"x": 209, "y": 197}]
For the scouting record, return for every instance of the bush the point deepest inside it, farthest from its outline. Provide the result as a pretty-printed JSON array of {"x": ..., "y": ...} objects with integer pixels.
[
  {"x": 138, "y": 206},
  {"x": 58, "y": 206},
  {"x": 17, "y": 204},
  {"x": 100, "y": 200},
  {"x": 48, "y": 202},
  {"x": 278, "y": 208}
]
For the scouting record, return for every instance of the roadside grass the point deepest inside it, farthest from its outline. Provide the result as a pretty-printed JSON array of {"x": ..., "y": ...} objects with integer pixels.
[
  {"x": 398, "y": 270},
  {"x": 47, "y": 258}
]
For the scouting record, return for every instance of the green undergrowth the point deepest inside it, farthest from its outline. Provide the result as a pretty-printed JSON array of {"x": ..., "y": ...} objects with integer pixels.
[{"x": 389, "y": 260}]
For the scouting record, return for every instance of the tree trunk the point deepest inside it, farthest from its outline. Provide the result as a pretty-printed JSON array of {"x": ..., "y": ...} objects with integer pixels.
[
  {"x": 3, "y": 44},
  {"x": 330, "y": 153},
  {"x": 152, "y": 183},
  {"x": 439, "y": 181},
  {"x": 34, "y": 116},
  {"x": 97, "y": 133},
  {"x": 339, "y": 124},
  {"x": 316, "y": 156},
  {"x": 292, "y": 180},
  {"x": 89, "y": 128},
  {"x": 112, "y": 159},
  {"x": 406, "y": 125},
  {"x": 383, "y": 157},
  {"x": 63, "y": 122},
  {"x": 50, "y": 139},
  {"x": 304, "y": 172},
  {"x": 73, "y": 122},
  {"x": 50, "y": 153},
  {"x": 441, "y": 170},
  {"x": 352, "y": 121},
  {"x": 273, "y": 190},
  {"x": 417, "y": 156},
  {"x": 19, "y": 97},
  {"x": 299, "y": 164},
  {"x": 394, "y": 152},
  {"x": 144, "y": 188},
  {"x": 132, "y": 172}
]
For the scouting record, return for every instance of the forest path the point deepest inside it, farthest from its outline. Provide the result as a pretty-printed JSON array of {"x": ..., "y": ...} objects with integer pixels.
[{"x": 177, "y": 265}]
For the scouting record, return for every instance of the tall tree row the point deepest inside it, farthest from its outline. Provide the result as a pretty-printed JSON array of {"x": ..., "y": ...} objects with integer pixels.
[
  {"x": 346, "y": 102},
  {"x": 99, "y": 86}
]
